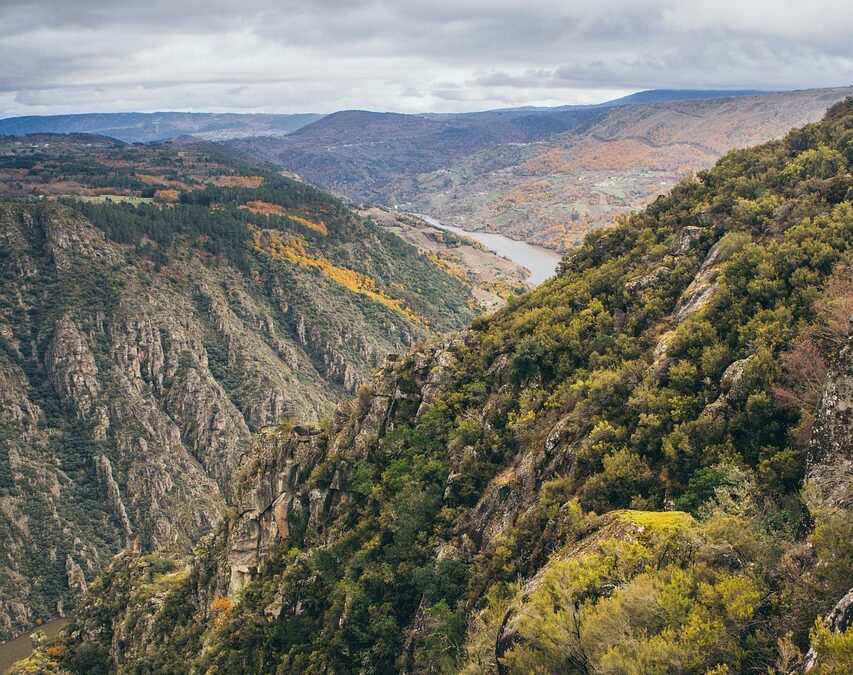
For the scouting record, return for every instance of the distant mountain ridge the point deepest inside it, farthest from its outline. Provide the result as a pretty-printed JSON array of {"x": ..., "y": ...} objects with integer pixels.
[
  {"x": 136, "y": 127},
  {"x": 658, "y": 96},
  {"x": 133, "y": 127},
  {"x": 544, "y": 176}
]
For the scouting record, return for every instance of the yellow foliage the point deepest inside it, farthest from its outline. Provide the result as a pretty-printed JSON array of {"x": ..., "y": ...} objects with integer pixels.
[
  {"x": 451, "y": 269},
  {"x": 318, "y": 226},
  {"x": 834, "y": 649},
  {"x": 294, "y": 251},
  {"x": 657, "y": 520},
  {"x": 269, "y": 209}
]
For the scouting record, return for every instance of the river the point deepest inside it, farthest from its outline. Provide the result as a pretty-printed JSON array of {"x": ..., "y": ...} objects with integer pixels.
[
  {"x": 541, "y": 262},
  {"x": 21, "y": 646}
]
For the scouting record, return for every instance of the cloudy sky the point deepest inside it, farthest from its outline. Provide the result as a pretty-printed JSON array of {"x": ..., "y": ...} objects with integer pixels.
[{"x": 61, "y": 56}]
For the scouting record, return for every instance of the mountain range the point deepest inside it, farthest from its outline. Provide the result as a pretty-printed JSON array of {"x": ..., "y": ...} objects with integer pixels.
[
  {"x": 546, "y": 176},
  {"x": 134, "y": 127},
  {"x": 641, "y": 466}
]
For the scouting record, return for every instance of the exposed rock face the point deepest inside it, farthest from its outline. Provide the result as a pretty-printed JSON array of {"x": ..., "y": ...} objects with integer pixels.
[
  {"x": 278, "y": 503},
  {"x": 702, "y": 288},
  {"x": 112, "y": 494},
  {"x": 129, "y": 394},
  {"x": 687, "y": 239},
  {"x": 830, "y": 458},
  {"x": 651, "y": 280},
  {"x": 265, "y": 514},
  {"x": 829, "y": 469},
  {"x": 838, "y": 621},
  {"x": 76, "y": 579},
  {"x": 73, "y": 373}
]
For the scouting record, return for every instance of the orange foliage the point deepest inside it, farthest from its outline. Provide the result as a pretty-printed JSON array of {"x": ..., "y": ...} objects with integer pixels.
[
  {"x": 549, "y": 162},
  {"x": 238, "y": 181},
  {"x": 529, "y": 192},
  {"x": 148, "y": 179},
  {"x": 167, "y": 195},
  {"x": 221, "y": 608},
  {"x": 221, "y": 605},
  {"x": 264, "y": 208},
  {"x": 629, "y": 154}
]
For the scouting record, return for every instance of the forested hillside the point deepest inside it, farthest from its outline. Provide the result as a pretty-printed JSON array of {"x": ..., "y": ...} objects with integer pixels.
[
  {"x": 642, "y": 466},
  {"x": 159, "y": 305}
]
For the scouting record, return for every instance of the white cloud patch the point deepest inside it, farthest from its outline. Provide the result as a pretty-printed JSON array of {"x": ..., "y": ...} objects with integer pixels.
[{"x": 405, "y": 55}]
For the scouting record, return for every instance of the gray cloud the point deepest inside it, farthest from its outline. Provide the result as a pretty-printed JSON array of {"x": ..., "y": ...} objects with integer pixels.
[{"x": 323, "y": 55}]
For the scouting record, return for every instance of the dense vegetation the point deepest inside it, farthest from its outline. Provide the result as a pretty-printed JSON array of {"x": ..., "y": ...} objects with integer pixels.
[
  {"x": 631, "y": 437},
  {"x": 143, "y": 264}
]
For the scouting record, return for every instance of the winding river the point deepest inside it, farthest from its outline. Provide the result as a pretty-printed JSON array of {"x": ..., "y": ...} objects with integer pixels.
[
  {"x": 21, "y": 646},
  {"x": 541, "y": 262}
]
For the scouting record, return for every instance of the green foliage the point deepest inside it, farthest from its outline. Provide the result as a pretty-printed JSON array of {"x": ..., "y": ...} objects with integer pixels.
[
  {"x": 586, "y": 396},
  {"x": 674, "y": 607},
  {"x": 192, "y": 269},
  {"x": 835, "y": 650}
]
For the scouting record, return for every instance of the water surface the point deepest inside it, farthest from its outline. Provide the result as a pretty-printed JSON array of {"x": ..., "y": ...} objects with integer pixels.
[
  {"x": 541, "y": 262},
  {"x": 21, "y": 646}
]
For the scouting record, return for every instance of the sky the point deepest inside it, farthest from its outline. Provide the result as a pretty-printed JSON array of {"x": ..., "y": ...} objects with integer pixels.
[{"x": 66, "y": 56}]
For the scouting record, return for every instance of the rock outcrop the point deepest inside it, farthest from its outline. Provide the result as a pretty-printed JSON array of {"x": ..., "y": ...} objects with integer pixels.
[
  {"x": 130, "y": 392},
  {"x": 829, "y": 468}
]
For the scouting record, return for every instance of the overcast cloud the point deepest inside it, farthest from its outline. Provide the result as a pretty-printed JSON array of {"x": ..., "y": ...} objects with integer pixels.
[{"x": 62, "y": 56}]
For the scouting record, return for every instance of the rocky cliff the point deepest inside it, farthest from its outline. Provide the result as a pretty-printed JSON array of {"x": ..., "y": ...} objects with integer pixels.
[
  {"x": 136, "y": 364},
  {"x": 605, "y": 476}
]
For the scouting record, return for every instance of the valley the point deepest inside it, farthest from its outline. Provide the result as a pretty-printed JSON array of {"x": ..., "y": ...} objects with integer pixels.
[
  {"x": 426, "y": 337},
  {"x": 545, "y": 176},
  {"x": 158, "y": 306},
  {"x": 540, "y": 263},
  {"x": 641, "y": 465},
  {"x": 250, "y": 426}
]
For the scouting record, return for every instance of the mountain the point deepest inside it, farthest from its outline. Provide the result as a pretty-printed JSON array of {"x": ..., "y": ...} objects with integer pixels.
[
  {"x": 655, "y": 96},
  {"x": 144, "y": 127},
  {"x": 159, "y": 305},
  {"x": 643, "y": 465},
  {"x": 546, "y": 176},
  {"x": 664, "y": 95}
]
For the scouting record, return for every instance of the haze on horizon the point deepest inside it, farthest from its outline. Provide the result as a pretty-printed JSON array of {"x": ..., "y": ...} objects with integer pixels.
[{"x": 70, "y": 56}]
